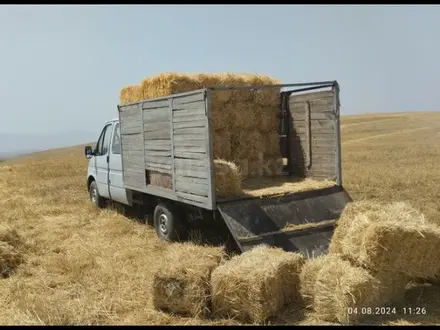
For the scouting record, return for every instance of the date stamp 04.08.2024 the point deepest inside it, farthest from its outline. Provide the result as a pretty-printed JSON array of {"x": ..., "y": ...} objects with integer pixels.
[{"x": 383, "y": 311}]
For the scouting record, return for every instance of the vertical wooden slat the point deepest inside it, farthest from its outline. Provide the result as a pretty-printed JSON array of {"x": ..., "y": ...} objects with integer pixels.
[
  {"x": 210, "y": 151},
  {"x": 308, "y": 147},
  {"x": 173, "y": 170}
]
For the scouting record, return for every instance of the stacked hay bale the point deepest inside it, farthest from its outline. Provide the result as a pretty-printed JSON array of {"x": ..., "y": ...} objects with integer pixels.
[
  {"x": 181, "y": 282},
  {"x": 256, "y": 285},
  {"x": 244, "y": 122},
  {"x": 375, "y": 251}
]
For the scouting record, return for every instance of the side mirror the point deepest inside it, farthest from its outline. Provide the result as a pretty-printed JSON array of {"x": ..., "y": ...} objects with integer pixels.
[{"x": 88, "y": 152}]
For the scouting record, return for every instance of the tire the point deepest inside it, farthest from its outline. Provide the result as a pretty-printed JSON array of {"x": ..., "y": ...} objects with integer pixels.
[
  {"x": 94, "y": 196},
  {"x": 168, "y": 224}
]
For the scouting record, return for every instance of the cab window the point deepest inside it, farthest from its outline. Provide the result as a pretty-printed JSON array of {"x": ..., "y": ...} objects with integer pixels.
[
  {"x": 116, "y": 145},
  {"x": 103, "y": 142}
]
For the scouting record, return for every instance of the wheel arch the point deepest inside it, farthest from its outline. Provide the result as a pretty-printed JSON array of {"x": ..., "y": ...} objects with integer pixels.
[{"x": 90, "y": 179}]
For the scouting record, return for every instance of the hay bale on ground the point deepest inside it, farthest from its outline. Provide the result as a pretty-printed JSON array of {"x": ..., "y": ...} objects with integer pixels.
[
  {"x": 308, "y": 276},
  {"x": 394, "y": 237},
  {"x": 256, "y": 285},
  {"x": 227, "y": 179},
  {"x": 346, "y": 293},
  {"x": 181, "y": 282},
  {"x": 10, "y": 259}
]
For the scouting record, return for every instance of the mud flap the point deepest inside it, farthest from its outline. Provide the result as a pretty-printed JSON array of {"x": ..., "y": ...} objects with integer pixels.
[{"x": 263, "y": 220}]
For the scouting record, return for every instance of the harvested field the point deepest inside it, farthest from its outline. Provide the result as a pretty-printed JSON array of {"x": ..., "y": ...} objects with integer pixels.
[
  {"x": 86, "y": 266},
  {"x": 256, "y": 285}
]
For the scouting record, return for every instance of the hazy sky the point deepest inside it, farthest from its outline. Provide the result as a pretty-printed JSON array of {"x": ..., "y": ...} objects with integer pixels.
[{"x": 61, "y": 67}]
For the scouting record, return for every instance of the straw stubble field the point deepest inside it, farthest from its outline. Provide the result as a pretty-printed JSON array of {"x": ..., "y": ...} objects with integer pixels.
[{"x": 78, "y": 265}]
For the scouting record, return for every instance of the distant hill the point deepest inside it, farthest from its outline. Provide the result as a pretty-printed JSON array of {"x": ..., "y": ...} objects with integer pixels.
[{"x": 16, "y": 144}]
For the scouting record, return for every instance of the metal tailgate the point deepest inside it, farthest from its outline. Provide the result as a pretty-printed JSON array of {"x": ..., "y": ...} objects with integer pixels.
[{"x": 263, "y": 220}]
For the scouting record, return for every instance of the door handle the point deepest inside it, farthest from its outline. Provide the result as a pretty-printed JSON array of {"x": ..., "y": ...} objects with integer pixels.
[{"x": 107, "y": 158}]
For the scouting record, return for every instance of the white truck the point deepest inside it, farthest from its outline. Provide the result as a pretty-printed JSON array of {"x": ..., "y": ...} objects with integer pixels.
[{"x": 144, "y": 139}]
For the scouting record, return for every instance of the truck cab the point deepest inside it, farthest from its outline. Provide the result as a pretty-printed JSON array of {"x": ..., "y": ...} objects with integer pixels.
[{"x": 104, "y": 173}]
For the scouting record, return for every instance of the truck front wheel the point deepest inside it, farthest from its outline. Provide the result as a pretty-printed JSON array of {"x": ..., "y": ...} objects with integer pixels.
[
  {"x": 167, "y": 223},
  {"x": 95, "y": 198}
]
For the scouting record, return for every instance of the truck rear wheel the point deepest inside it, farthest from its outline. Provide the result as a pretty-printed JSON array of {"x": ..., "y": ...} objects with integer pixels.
[
  {"x": 94, "y": 195},
  {"x": 167, "y": 223}
]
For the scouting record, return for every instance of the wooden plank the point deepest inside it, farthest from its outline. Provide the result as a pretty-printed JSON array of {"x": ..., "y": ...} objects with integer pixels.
[
  {"x": 158, "y": 148},
  {"x": 196, "y": 149},
  {"x": 301, "y": 130},
  {"x": 158, "y": 159},
  {"x": 188, "y": 113},
  {"x": 179, "y": 100},
  {"x": 155, "y": 169},
  {"x": 315, "y": 125},
  {"x": 311, "y": 96},
  {"x": 129, "y": 110},
  {"x": 132, "y": 138},
  {"x": 190, "y": 143},
  {"x": 136, "y": 162},
  {"x": 186, "y": 118},
  {"x": 189, "y": 124},
  {"x": 190, "y": 163},
  {"x": 157, "y": 135},
  {"x": 192, "y": 179},
  {"x": 155, "y": 115},
  {"x": 151, "y": 144},
  {"x": 192, "y": 197},
  {"x": 127, "y": 154},
  {"x": 199, "y": 105},
  {"x": 319, "y": 115},
  {"x": 189, "y": 155},
  {"x": 192, "y": 188},
  {"x": 134, "y": 168},
  {"x": 157, "y": 126},
  {"x": 135, "y": 179},
  {"x": 323, "y": 143},
  {"x": 189, "y": 137},
  {"x": 190, "y": 131},
  {"x": 192, "y": 173},
  {"x": 155, "y": 104},
  {"x": 151, "y": 164},
  {"x": 321, "y": 107},
  {"x": 131, "y": 130},
  {"x": 158, "y": 153},
  {"x": 131, "y": 124}
]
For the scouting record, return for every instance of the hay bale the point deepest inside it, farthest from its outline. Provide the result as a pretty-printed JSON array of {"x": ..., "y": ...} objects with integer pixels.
[
  {"x": 346, "y": 293},
  {"x": 390, "y": 237},
  {"x": 256, "y": 285},
  {"x": 130, "y": 94},
  {"x": 181, "y": 282},
  {"x": 222, "y": 144},
  {"x": 308, "y": 276},
  {"x": 247, "y": 144},
  {"x": 271, "y": 145},
  {"x": 227, "y": 179},
  {"x": 10, "y": 259}
]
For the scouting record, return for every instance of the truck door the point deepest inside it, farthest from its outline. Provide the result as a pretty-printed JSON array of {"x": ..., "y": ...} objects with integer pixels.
[
  {"x": 116, "y": 181},
  {"x": 102, "y": 161}
]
